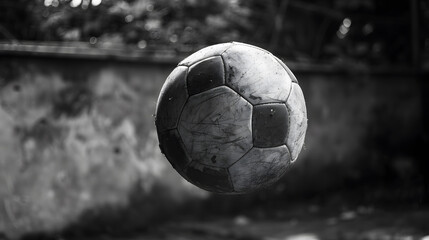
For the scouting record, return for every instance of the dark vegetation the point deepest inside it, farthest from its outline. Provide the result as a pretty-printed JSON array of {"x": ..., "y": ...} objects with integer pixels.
[{"x": 372, "y": 32}]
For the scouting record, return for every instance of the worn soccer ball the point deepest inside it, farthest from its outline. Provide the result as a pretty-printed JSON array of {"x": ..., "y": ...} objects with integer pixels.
[{"x": 231, "y": 118}]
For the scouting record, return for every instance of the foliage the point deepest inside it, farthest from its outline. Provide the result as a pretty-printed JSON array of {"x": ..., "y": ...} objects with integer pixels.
[
  {"x": 361, "y": 30},
  {"x": 166, "y": 23}
]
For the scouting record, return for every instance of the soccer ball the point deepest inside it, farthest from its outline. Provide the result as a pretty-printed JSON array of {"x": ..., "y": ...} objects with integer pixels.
[{"x": 231, "y": 118}]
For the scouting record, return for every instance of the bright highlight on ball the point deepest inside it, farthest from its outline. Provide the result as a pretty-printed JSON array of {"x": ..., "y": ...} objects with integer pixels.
[{"x": 231, "y": 118}]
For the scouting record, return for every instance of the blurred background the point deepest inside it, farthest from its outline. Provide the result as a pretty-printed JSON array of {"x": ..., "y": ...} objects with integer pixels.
[{"x": 79, "y": 81}]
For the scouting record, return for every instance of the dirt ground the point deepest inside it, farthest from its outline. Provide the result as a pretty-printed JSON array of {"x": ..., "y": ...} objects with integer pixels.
[
  {"x": 364, "y": 223},
  {"x": 301, "y": 223}
]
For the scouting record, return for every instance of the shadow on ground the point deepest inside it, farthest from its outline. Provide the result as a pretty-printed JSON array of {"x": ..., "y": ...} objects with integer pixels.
[{"x": 335, "y": 216}]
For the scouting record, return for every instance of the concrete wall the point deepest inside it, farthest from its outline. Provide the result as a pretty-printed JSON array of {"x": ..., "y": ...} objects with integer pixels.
[
  {"x": 363, "y": 130},
  {"x": 78, "y": 134},
  {"x": 77, "y": 140}
]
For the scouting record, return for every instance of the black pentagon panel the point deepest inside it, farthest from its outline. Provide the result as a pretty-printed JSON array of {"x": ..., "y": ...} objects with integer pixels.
[
  {"x": 270, "y": 124},
  {"x": 172, "y": 147},
  {"x": 206, "y": 75},
  {"x": 289, "y": 72},
  {"x": 171, "y": 100},
  {"x": 213, "y": 179}
]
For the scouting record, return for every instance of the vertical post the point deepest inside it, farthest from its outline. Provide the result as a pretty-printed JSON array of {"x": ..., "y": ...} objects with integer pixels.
[
  {"x": 278, "y": 24},
  {"x": 415, "y": 49},
  {"x": 422, "y": 155}
]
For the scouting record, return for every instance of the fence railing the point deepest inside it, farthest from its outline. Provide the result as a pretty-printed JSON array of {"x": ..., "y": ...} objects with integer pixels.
[{"x": 119, "y": 52}]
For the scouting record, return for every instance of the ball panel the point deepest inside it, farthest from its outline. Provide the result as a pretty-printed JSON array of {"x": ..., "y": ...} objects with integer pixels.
[
  {"x": 256, "y": 75},
  {"x": 252, "y": 46},
  {"x": 206, "y": 75},
  {"x": 208, "y": 177},
  {"x": 214, "y": 50},
  {"x": 172, "y": 147},
  {"x": 259, "y": 168},
  {"x": 171, "y": 100},
  {"x": 216, "y": 127},
  {"x": 297, "y": 121},
  {"x": 291, "y": 75},
  {"x": 270, "y": 124}
]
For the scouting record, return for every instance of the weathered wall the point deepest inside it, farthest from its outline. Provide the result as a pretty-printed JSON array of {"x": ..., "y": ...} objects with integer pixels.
[
  {"x": 363, "y": 130},
  {"x": 78, "y": 135}
]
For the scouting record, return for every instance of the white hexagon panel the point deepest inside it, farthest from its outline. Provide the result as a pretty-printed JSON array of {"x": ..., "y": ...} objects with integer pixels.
[
  {"x": 215, "y": 126},
  {"x": 297, "y": 121},
  {"x": 259, "y": 168},
  {"x": 256, "y": 75}
]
